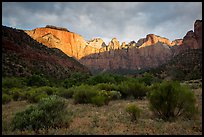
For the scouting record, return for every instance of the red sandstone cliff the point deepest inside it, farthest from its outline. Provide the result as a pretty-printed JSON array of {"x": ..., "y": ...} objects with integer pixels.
[
  {"x": 95, "y": 54},
  {"x": 70, "y": 43}
]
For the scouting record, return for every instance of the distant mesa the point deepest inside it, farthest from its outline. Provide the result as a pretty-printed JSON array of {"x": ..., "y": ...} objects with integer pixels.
[{"x": 58, "y": 28}]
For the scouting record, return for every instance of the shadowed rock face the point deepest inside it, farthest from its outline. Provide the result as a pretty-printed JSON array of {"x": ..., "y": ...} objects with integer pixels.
[
  {"x": 132, "y": 58},
  {"x": 193, "y": 40},
  {"x": 148, "y": 52}
]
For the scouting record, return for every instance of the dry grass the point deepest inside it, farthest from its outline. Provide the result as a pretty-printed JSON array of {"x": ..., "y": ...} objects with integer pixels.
[{"x": 112, "y": 119}]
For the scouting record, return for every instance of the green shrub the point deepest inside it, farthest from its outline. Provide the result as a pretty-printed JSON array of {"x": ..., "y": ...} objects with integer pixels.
[
  {"x": 170, "y": 100},
  {"x": 98, "y": 100},
  {"x": 47, "y": 90},
  {"x": 36, "y": 80},
  {"x": 101, "y": 78},
  {"x": 17, "y": 94},
  {"x": 106, "y": 94},
  {"x": 123, "y": 88},
  {"x": 49, "y": 112},
  {"x": 133, "y": 111},
  {"x": 75, "y": 79},
  {"x": 35, "y": 95},
  {"x": 147, "y": 78},
  {"x": 115, "y": 95},
  {"x": 5, "y": 91},
  {"x": 10, "y": 82},
  {"x": 6, "y": 98},
  {"x": 132, "y": 88},
  {"x": 84, "y": 93},
  {"x": 139, "y": 90},
  {"x": 107, "y": 87},
  {"x": 66, "y": 93}
]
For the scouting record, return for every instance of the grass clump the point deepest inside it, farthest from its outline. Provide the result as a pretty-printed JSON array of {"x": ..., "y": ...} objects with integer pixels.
[
  {"x": 48, "y": 113},
  {"x": 133, "y": 111},
  {"x": 170, "y": 100}
]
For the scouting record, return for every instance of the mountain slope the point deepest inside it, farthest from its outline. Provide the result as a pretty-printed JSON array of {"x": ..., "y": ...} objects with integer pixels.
[
  {"x": 23, "y": 56},
  {"x": 185, "y": 66},
  {"x": 70, "y": 43},
  {"x": 149, "y": 52}
]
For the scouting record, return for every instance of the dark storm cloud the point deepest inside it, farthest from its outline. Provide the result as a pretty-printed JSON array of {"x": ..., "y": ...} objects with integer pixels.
[{"x": 125, "y": 21}]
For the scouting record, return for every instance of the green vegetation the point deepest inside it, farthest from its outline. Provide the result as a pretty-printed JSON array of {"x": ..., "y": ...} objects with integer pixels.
[
  {"x": 98, "y": 100},
  {"x": 81, "y": 87},
  {"x": 133, "y": 111},
  {"x": 49, "y": 112},
  {"x": 6, "y": 98},
  {"x": 17, "y": 94},
  {"x": 10, "y": 82},
  {"x": 170, "y": 100},
  {"x": 167, "y": 100},
  {"x": 36, "y": 80},
  {"x": 107, "y": 86},
  {"x": 65, "y": 93},
  {"x": 84, "y": 93},
  {"x": 183, "y": 67},
  {"x": 106, "y": 78},
  {"x": 132, "y": 88},
  {"x": 148, "y": 79},
  {"x": 75, "y": 79}
]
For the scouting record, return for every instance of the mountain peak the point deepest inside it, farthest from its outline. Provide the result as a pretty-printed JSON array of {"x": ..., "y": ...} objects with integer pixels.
[{"x": 55, "y": 27}]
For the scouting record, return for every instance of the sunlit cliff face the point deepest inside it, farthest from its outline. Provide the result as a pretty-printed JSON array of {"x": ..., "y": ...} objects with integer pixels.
[{"x": 146, "y": 52}]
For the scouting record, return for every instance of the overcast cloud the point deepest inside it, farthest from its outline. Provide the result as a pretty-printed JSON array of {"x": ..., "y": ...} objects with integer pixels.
[{"x": 125, "y": 21}]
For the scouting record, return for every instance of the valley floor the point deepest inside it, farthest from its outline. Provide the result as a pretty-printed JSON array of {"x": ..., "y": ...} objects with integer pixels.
[{"x": 111, "y": 119}]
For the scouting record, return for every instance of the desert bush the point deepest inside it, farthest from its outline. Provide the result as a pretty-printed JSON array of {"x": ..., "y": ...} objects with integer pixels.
[
  {"x": 66, "y": 93},
  {"x": 6, "y": 98},
  {"x": 48, "y": 90},
  {"x": 10, "y": 82},
  {"x": 106, "y": 94},
  {"x": 132, "y": 88},
  {"x": 35, "y": 94},
  {"x": 36, "y": 80},
  {"x": 50, "y": 112},
  {"x": 123, "y": 88},
  {"x": 139, "y": 90},
  {"x": 101, "y": 78},
  {"x": 133, "y": 111},
  {"x": 170, "y": 100},
  {"x": 115, "y": 95},
  {"x": 84, "y": 93},
  {"x": 5, "y": 90},
  {"x": 107, "y": 86},
  {"x": 98, "y": 100},
  {"x": 75, "y": 79},
  {"x": 149, "y": 79},
  {"x": 17, "y": 94}
]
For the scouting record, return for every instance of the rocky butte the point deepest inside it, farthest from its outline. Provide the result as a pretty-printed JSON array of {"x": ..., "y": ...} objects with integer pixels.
[{"x": 148, "y": 52}]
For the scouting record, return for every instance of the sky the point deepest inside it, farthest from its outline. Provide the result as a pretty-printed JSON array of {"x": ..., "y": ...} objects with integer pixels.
[{"x": 126, "y": 21}]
